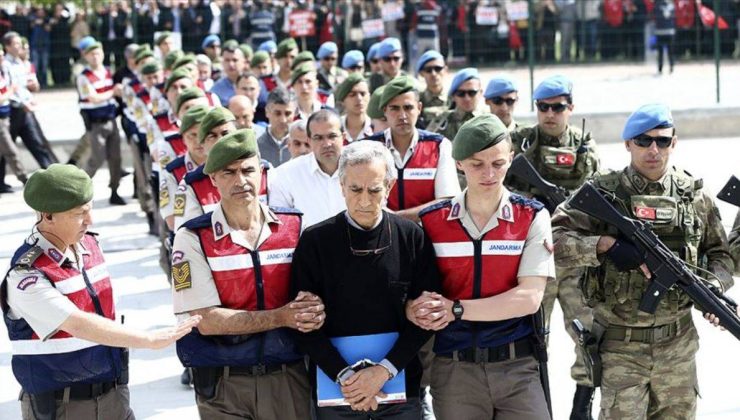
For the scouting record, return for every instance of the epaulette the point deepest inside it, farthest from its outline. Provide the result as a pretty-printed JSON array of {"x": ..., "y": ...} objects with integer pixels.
[
  {"x": 286, "y": 210},
  {"x": 434, "y": 207},
  {"x": 202, "y": 221},
  {"x": 195, "y": 175},
  {"x": 178, "y": 162},
  {"x": 430, "y": 136},
  {"x": 607, "y": 180},
  {"x": 526, "y": 202},
  {"x": 27, "y": 258}
]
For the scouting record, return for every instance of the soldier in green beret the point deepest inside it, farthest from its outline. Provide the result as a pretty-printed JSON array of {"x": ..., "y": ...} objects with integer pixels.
[
  {"x": 305, "y": 84},
  {"x": 354, "y": 94},
  {"x": 375, "y": 112},
  {"x": 303, "y": 57},
  {"x": 248, "y": 54},
  {"x": 189, "y": 63},
  {"x": 262, "y": 375},
  {"x": 188, "y": 98},
  {"x": 69, "y": 351},
  {"x": 165, "y": 43},
  {"x": 261, "y": 64},
  {"x": 170, "y": 59},
  {"x": 287, "y": 51},
  {"x": 485, "y": 366}
]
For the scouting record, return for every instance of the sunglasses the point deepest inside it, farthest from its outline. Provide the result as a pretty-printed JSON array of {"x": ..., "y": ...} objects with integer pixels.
[
  {"x": 500, "y": 101},
  {"x": 375, "y": 61},
  {"x": 433, "y": 69},
  {"x": 330, "y": 58},
  {"x": 394, "y": 59},
  {"x": 643, "y": 140},
  {"x": 556, "y": 108},
  {"x": 464, "y": 93},
  {"x": 358, "y": 67}
]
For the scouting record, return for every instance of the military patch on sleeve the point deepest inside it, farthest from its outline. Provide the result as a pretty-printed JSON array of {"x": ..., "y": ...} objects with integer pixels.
[
  {"x": 164, "y": 197},
  {"x": 26, "y": 282},
  {"x": 181, "y": 276},
  {"x": 179, "y": 205}
]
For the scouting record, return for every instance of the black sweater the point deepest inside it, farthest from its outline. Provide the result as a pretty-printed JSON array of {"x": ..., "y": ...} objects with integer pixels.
[{"x": 365, "y": 294}]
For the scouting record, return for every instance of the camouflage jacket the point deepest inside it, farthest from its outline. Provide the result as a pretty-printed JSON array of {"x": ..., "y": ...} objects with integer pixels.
[
  {"x": 568, "y": 160},
  {"x": 449, "y": 122},
  {"x": 683, "y": 216},
  {"x": 432, "y": 106},
  {"x": 734, "y": 239}
]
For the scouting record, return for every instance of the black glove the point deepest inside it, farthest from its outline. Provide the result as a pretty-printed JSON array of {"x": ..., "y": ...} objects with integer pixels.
[{"x": 625, "y": 256}]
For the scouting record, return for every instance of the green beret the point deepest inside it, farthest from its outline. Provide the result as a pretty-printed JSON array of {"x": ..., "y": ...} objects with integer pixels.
[
  {"x": 214, "y": 118},
  {"x": 175, "y": 76},
  {"x": 143, "y": 53},
  {"x": 171, "y": 58},
  {"x": 230, "y": 45},
  {"x": 247, "y": 50},
  {"x": 346, "y": 86},
  {"x": 285, "y": 46},
  {"x": 162, "y": 37},
  {"x": 259, "y": 58},
  {"x": 93, "y": 46},
  {"x": 478, "y": 133},
  {"x": 58, "y": 188},
  {"x": 398, "y": 86},
  {"x": 237, "y": 145},
  {"x": 186, "y": 95},
  {"x": 150, "y": 68},
  {"x": 192, "y": 117},
  {"x": 373, "y": 108},
  {"x": 184, "y": 61},
  {"x": 302, "y": 57},
  {"x": 301, "y": 71}
]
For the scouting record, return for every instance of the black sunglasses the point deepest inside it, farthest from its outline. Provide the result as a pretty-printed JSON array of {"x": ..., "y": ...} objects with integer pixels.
[
  {"x": 462, "y": 93},
  {"x": 374, "y": 61},
  {"x": 330, "y": 58},
  {"x": 433, "y": 69},
  {"x": 375, "y": 251},
  {"x": 389, "y": 59},
  {"x": 497, "y": 100},
  {"x": 357, "y": 67},
  {"x": 643, "y": 140},
  {"x": 556, "y": 108}
]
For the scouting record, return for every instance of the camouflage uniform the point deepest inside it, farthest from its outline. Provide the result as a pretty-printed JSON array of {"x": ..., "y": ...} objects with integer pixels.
[
  {"x": 734, "y": 239},
  {"x": 377, "y": 80},
  {"x": 644, "y": 376},
  {"x": 450, "y": 121},
  {"x": 330, "y": 79},
  {"x": 568, "y": 161},
  {"x": 433, "y": 105}
]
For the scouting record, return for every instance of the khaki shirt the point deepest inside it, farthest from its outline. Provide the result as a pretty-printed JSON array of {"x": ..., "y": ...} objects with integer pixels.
[
  {"x": 537, "y": 257},
  {"x": 197, "y": 290}
]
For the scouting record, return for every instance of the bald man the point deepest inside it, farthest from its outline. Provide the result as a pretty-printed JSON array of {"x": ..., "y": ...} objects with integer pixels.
[{"x": 243, "y": 109}]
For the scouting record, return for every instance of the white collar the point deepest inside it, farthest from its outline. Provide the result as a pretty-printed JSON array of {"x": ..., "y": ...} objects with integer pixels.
[
  {"x": 505, "y": 211},
  {"x": 221, "y": 228},
  {"x": 55, "y": 254}
]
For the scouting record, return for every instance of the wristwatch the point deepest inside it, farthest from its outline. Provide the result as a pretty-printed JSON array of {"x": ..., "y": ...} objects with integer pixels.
[{"x": 457, "y": 310}]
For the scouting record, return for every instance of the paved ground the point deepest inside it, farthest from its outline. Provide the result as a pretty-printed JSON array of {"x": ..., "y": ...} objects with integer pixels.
[{"x": 144, "y": 297}]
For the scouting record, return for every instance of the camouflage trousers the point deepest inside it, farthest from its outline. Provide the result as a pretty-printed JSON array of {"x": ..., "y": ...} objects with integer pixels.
[
  {"x": 565, "y": 289},
  {"x": 650, "y": 381}
]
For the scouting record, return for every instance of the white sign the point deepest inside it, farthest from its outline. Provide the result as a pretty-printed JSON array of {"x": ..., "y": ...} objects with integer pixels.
[
  {"x": 373, "y": 28},
  {"x": 486, "y": 16},
  {"x": 517, "y": 10},
  {"x": 392, "y": 11}
]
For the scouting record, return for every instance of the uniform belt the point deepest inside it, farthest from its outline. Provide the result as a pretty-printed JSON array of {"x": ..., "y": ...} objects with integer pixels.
[
  {"x": 648, "y": 334},
  {"x": 256, "y": 370},
  {"x": 85, "y": 391},
  {"x": 510, "y": 351}
]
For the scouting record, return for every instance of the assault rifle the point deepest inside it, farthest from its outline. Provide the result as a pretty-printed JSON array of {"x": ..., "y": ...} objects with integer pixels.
[
  {"x": 730, "y": 193},
  {"x": 667, "y": 270},
  {"x": 552, "y": 194}
]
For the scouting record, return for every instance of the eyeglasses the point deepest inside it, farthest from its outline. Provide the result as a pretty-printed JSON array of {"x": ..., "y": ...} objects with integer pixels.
[
  {"x": 463, "y": 93},
  {"x": 556, "y": 107},
  {"x": 433, "y": 69},
  {"x": 497, "y": 100},
  {"x": 643, "y": 140},
  {"x": 394, "y": 58},
  {"x": 358, "y": 67},
  {"x": 376, "y": 251}
]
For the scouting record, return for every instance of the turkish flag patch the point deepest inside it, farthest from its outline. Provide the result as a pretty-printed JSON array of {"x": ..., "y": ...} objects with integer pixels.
[
  {"x": 645, "y": 213},
  {"x": 565, "y": 159}
]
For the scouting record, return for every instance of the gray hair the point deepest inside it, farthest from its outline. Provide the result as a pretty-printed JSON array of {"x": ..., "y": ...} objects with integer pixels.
[
  {"x": 130, "y": 50},
  {"x": 299, "y": 125},
  {"x": 364, "y": 152},
  {"x": 203, "y": 59}
]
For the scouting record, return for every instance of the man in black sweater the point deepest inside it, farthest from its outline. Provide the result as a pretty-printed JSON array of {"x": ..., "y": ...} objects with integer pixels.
[{"x": 365, "y": 263}]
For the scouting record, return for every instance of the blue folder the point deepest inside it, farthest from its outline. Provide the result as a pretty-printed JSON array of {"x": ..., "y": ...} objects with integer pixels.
[{"x": 373, "y": 347}]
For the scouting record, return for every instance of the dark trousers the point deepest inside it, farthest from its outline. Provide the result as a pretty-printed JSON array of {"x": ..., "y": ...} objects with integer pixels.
[
  {"x": 664, "y": 42},
  {"x": 25, "y": 125},
  {"x": 410, "y": 410}
]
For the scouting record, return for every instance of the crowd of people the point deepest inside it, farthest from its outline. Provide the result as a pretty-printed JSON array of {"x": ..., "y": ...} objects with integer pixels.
[
  {"x": 479, "y": 31},
  {"x": 322, "y": 216}
]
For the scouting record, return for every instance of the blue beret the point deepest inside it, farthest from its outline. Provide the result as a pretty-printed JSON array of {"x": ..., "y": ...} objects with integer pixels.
[
  {"x": 210, "y": 40},
  {"x": 85, "y": 42},
  {"x": 499, "y": 86},
  {"x": 388, "y": 47},
  {"x": 428, "y": 56},
  {"x": 462, "y": 76},
  {"x": 268, "y": 46},
  {"x": 372, "y": 53},
  {"x": 645, "y": 118},
  {"x": 352, "y": 58},
  {"x": 553, "y": 86},
  {"x": 326, "y": 49}
]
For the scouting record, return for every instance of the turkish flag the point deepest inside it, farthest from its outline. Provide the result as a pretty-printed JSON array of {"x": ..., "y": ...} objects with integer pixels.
[
  {"x": 707, "y": 16},
  {"x": 564, "y": 159},
  {"x": 645, "y": 213}
]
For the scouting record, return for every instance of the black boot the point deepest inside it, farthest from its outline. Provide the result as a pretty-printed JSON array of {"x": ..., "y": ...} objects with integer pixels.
[
  {"x": 582, "y": 400},
  {"x": 152, "y": 224},
  {"x": 186, "y": 378},
  {"x": 116, "y": 199}
]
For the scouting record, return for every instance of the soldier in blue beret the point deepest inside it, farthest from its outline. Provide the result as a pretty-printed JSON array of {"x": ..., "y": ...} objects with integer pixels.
[
  {"x": 390, "y": 54},
  {"x": 465, "y": 93},
  {"x": 565, "y": 156},
  {"x": 501, "y": 96},
  {"x": 354, "y": 62},
  {"x": 373, "y": 59},
  {"x": 329, "y": 75},
  {"x": 648, "y": 360},
  {"x": 432, "y": 67}
]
